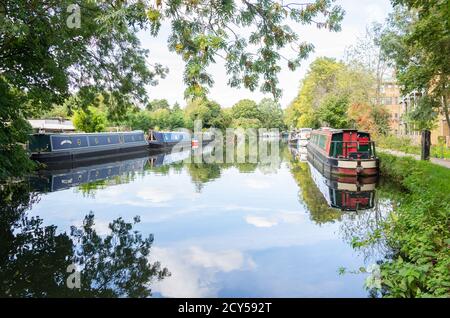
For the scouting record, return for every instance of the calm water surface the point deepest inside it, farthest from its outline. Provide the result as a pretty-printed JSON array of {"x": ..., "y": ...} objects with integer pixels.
[{"x": 222, "y": 230}]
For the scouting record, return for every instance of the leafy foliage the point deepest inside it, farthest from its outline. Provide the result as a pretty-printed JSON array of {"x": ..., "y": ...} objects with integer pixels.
[
  {"x": 270, "y": 114},
  {"x": 417, "y": 44},
  {"x": 205, "y": 30},
  {"x": 91, "y": 120},
  {"x": 327, "y": 82},
  {"x": 333, "y": 112},
  {"x": 374, "y": 119},
  {"x": 418, "y": 230}
]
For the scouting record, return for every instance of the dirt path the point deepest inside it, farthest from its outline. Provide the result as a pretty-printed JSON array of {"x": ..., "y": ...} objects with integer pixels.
[{"x": 441, "y": 162}]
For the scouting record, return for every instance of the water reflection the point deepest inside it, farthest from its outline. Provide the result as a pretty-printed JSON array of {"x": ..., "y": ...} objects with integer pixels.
[
  {"x": 346, "y": 193},
  {"x": 222, "y": 229},
  {"x": 35, "y": 259}
]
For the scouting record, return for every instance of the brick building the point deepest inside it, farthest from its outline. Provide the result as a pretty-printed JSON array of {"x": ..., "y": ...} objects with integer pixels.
[{"x": 398, "y": 105}]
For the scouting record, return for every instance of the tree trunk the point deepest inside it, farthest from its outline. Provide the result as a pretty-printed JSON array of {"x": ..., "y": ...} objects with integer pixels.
[
  {"x": 445, "y": 109},
  {"x": 426, "y": 145}
]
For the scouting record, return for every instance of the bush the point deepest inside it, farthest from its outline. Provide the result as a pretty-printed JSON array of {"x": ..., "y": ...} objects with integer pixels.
[
  {"x": 418, "y": 230},
  {"x": 90, "y": 120}
]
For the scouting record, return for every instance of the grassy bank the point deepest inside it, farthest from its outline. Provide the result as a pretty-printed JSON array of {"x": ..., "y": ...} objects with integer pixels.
[
  {"x": 418, "y": 230},
  {"x": 404, "y": 144}
]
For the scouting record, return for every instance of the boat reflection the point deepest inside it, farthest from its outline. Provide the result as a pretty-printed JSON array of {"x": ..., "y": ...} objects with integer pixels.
[
  {"x": 346, "y": 193},
  {"x": 300, "y": 153},
  {"x": 62, "y": 179}
]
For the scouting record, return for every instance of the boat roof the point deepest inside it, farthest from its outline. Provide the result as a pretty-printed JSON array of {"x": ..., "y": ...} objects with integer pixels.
[
  {"x": 94, "y": 133},
  {"x": 336, "y": 131}
]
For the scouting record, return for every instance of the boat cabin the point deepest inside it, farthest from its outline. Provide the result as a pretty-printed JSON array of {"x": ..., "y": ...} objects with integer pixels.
[
  {"x": 343, "y": 152},
  {"x": 343, "y": 143}
]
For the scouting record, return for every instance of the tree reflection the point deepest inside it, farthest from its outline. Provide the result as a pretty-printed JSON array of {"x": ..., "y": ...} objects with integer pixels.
[
  {"x": 310, "y": 195},
  {"x": 34, "y": 258},
  {"x": 201, "y": 173},
  {"x": 365, "y": 230}
]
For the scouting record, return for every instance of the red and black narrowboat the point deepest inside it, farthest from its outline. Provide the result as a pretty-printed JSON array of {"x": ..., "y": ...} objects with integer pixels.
[{"x": 344, "y": 152}]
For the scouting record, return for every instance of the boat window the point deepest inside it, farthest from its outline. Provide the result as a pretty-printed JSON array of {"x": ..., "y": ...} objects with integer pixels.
[{"x": 322, "y": 142}]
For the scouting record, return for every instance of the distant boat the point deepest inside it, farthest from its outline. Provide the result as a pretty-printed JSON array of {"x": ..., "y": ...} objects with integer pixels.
[
  {"x": 343, "y": 152},
  {"x": 270, "y": 135},
  {"x": 168, "y": 139},
  {"x": 300, "y": 137},
  {"x": 63, "y": 148}
]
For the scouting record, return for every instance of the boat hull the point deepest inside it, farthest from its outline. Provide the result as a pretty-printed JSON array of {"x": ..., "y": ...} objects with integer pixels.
[
  {"x": 158, "y": 145},
  {"x": 88, "y": 155},
  {"x": 342, "y": 167}
]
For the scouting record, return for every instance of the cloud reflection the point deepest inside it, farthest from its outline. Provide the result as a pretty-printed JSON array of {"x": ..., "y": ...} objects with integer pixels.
[{"x": 194, "y": 270}]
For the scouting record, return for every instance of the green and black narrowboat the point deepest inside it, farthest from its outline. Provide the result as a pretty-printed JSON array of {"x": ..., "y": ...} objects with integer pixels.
[
  {"x": 345, "y": 152},
  {"x": 62, "y": 148}
]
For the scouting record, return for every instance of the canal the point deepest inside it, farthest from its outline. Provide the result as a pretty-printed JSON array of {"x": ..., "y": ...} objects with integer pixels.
[{"x": 204, "y": 230}]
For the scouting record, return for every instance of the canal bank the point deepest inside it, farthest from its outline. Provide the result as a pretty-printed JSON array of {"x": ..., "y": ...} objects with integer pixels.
[{"x": 417, "y": 231}]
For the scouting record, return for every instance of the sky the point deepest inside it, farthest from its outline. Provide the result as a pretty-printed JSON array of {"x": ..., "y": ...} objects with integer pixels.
[{"x": 358, "y": 14}]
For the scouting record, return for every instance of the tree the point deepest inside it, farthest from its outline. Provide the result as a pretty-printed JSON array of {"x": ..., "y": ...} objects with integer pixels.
[
  {"x": 245, "y": 108},
  {"x": 176, "y": 118},
  {"x": 200, "y": 109},
  {"x": 417, "y": 44},
  {"x": 369, "y": 54},
  {"x": 371, "y": 118},
  {"x": 43, "y": 53},
  {"x": 327, "y": 78},
  {"x": 333, "y": 112},
  {"x": 91, "y": 120},
  {"x": 246, "y": 123},
  {"x": 161, "y": 118},
  {"x": 319, "y": 81},
  {"x": 270, "y": 114},
  {"x": 158, "y": 104},
  {"x": 205, "y": 30},
  {"x": 91, "y": 47},
  {"x": 14, "y": 131},
  {"x": 139, "y": 120}
]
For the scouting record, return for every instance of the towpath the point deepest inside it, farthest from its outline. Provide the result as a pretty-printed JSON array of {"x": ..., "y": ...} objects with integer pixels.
[{"x": 441, "y": 162}]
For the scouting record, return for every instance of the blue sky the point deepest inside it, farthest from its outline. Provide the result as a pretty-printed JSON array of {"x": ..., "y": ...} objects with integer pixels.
[{"x": 359, "y": 13}]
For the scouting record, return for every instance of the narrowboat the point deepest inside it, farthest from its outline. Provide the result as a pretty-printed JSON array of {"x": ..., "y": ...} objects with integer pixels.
[
  {"x": 63, "y": 148},
  {"x": 163, "y": 140},
  {"x": 346, "y": 193},
  {"x": 343, "y": 152},
  {"x": 300, "y": 137}
]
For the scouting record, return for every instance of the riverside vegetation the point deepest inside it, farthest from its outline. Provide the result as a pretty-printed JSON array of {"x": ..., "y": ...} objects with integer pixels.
[{"x": 417, "y": 230}]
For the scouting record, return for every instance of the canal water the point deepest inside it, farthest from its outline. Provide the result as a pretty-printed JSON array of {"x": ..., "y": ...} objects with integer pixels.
[{"x": 216, "y": 230}]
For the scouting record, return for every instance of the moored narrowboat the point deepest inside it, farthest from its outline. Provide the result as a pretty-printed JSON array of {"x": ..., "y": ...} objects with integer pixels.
[
  {"x": 60, "y": 148},
  {"x": 343, "y": 152},
  {"x": 300, "y": 137},
  {"x": 168, "y": 139}
]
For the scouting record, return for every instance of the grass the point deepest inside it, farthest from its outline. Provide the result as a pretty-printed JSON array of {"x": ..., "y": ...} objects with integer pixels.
[
  {"x": 404, "y": 144},
  {"x": 418, "y": 230}
]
